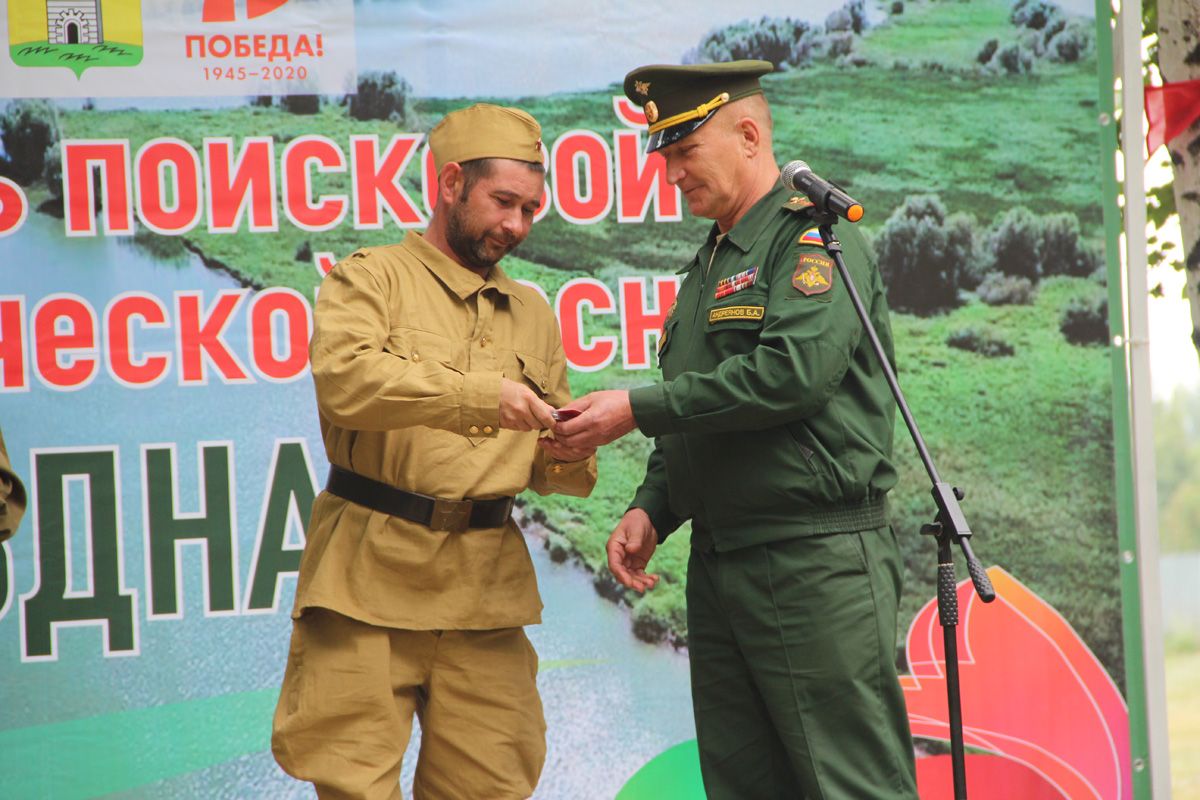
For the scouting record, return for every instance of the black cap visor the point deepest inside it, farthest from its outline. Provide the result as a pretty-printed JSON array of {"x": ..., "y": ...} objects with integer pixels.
[{"x": 673, "y": 134}]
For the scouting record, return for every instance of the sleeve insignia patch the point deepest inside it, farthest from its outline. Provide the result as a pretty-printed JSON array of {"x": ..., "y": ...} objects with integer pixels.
[
  {"x": 814, "y": 274},
  {"x": 726, "y": 313},
  {"x": 811, "y": 236},
  {"x": 662, "y": 335}
]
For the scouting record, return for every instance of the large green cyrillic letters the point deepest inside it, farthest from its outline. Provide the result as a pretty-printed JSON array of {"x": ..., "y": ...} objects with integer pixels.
[
  {"x": 167, "y": 527},
  {"x": 288, "y": 503},
  {"x": 59, "y": 597}
]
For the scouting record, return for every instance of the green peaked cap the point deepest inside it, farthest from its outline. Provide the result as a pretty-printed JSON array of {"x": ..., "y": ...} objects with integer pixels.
[{"x": 678, "y": 99}]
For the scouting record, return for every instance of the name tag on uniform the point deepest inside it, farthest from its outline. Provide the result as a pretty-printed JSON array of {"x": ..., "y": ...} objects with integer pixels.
[{"x": 726, "y": 313}]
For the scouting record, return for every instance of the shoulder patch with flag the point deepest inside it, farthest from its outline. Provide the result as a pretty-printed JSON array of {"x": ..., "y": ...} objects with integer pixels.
[
  {"x": 811, "y": 236},
  {"x": 814, "y": 274}
]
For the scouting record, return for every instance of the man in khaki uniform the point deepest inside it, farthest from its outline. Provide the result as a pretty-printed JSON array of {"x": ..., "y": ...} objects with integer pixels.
[
  {"x": 435, "y": 375},
  {"x": 12, "y": 497}
]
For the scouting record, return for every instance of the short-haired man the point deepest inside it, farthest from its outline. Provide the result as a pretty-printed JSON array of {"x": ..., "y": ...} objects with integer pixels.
[
  {"x": 435, "y": 373},
  {"x": 773, "y": 435}
]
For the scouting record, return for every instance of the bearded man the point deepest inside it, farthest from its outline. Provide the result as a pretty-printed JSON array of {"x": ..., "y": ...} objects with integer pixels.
[{"x": 436, "y": 378}]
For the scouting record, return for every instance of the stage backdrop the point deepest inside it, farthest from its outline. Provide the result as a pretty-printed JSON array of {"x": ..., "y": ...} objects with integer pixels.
[{"x": 178, "y": 176}]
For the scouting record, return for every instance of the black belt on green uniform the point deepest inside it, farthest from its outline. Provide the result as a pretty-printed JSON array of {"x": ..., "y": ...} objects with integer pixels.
[{"x": 436, "y": 513}]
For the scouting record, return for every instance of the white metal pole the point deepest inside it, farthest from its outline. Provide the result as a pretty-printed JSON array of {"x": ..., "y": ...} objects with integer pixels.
[{"x": 1129, "y": 50}]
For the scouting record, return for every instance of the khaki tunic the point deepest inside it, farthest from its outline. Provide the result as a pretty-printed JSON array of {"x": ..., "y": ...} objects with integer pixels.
[
  {"x": 12, "y": 496},
  {"x": 407, "y": 355}
]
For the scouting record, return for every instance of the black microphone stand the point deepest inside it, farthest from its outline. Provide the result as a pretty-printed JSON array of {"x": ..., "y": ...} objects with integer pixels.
[{"x": 949, "y": 526}]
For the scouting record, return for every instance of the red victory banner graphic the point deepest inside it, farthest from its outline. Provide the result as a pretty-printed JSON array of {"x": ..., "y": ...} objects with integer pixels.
[{"x": 1033, "y": 695}]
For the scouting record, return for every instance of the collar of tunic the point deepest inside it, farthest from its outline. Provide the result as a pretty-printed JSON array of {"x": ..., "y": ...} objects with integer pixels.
[
  {"x": 745, "y": 233},
  {"x": 457, "y": 278}
]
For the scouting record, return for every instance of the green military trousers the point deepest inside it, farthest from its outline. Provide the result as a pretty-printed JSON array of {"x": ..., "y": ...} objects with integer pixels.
[{"x": 794, "y": 683}]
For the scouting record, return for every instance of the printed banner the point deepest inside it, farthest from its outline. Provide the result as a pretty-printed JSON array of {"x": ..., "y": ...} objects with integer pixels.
[
  {"x": 181, "y": 48},
  {"x": 161, "y": 259}
]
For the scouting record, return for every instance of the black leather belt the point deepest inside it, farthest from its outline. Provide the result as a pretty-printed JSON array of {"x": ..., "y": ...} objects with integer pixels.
[{"x": 436, "y": 513}]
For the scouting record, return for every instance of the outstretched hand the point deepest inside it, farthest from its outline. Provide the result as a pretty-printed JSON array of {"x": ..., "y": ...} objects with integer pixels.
[
  {"x": 605, "y": 417},
  {"x": 521, "y": 409},
  {"x": 630, "y": 547}
]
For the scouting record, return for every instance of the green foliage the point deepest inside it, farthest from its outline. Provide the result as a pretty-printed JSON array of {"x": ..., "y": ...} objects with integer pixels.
[
  {"x": 301, "y": 104},
  {"x": 922, "y": 253},
  {"x": 1013, "y": 244},
  {"x": 1015, "y": 59},
  {"x": 780, "y": 40},
  {"x": 167, "y": 249},
  {"x": 1050, "y": 34},
  {"x": 52, "y": 170},
  {"x": 987, "y": 51},
  {"x": 840, "y": 44},
  {"x": 1019, "y": 435},
  {"x": 1035, "y": 14},
  {"x": 1073, "y": 42},
  {"x": 28, "y": 129},
  {"x": 851, "y": 17},
  {"x": 381, "y": 95},
  {"x": 998, "y": 289},
  {"x": 1085, "y": 320},
  {"x": 951, "y": 33},
  {"x": 986, "y": 341}
]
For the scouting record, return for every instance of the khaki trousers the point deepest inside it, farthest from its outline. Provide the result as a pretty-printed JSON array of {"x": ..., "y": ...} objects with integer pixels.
[{"x": 350, "y": 691}]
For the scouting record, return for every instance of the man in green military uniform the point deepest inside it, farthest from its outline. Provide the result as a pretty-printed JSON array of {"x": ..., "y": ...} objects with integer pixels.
[
  {"x": 773, "y": 435},
  {"x": 436, "y": 375}
]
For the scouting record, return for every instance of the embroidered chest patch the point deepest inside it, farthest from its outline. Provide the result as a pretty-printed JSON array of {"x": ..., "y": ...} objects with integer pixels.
[
  {"x": 727, "y": 313},
  {"x": 814, "y": 274}
]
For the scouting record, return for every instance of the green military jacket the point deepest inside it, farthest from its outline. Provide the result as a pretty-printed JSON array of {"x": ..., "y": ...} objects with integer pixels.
[{"x": 774, "y": 418}]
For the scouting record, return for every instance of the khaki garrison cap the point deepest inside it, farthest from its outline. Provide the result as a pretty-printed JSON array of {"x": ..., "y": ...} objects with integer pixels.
[
  {"x": 679, "y": 99},
  {"x": 486, "y": 131}
]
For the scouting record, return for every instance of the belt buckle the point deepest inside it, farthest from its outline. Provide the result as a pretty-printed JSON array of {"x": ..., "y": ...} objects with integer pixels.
[{"x": 450, "y": 515}]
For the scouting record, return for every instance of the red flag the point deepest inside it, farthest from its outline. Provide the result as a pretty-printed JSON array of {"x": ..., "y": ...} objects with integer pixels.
[{"x": 1170, "y": 108}]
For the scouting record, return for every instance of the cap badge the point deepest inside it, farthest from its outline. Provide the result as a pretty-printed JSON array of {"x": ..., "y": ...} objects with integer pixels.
[
  {"x": 642, "y": 87},
  {"x": 538, "y": 145},
  {"x": 651, "y": 112}
]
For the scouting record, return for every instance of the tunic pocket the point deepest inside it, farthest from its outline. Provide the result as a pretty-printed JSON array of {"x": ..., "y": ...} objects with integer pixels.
[
  {"x": 417, "y": 345},
  {"x": 534, "y": 372}
]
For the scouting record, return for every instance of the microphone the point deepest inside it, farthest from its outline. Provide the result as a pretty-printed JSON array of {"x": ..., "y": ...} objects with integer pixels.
[{"x": 826, "y": 196}]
